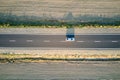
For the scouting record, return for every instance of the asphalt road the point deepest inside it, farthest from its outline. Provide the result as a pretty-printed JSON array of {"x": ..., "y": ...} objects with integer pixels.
[{"x": 58, "y": 41}]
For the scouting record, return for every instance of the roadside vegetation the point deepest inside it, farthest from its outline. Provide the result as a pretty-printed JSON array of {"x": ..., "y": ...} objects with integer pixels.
[
  {"x": 9, "y": 20},
  {"x": 61, "y": 26},
  {"x": 13, "y": 58}
]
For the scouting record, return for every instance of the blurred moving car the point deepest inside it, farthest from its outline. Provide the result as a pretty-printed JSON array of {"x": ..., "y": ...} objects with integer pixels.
[{"x": 70, "y": 37}]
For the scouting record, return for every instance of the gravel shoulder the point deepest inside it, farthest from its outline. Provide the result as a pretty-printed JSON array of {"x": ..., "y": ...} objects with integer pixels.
[{"x": 55, "y": 31}]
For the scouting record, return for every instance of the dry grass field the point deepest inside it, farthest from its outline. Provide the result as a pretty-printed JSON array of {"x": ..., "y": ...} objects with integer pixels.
[{"x": 58, "y": 8}]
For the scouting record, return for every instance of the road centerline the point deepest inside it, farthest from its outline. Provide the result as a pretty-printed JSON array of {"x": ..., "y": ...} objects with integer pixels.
[
  {"x": 12, "y": 40},
  {"x": 46, "y": 41},
  {"x": 29, "y": 40},
  {"x": 81, "y": 41},
  {"x": 97, "y": 41},
  {"x": 114, "y": 41}
]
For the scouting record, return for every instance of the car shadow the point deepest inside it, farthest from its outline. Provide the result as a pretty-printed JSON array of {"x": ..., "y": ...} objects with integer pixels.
[{"x": 70, "y": 34}]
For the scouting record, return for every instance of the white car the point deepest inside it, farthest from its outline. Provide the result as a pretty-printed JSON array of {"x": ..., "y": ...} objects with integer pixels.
[{"x": 70, "y": 39}]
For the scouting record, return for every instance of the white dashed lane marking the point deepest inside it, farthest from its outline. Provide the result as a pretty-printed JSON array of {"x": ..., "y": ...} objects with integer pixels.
[
  {"x": 114, "y": 41},
  {"x": 97, "y": 41},
  {"x": 29, "y": 40},
  {"x": 46, "y": 41},
  {"x": 12, "y": 40}
]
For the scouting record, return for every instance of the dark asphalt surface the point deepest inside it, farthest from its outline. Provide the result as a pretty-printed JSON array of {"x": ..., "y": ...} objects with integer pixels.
[{"x": 58, "y": 41}]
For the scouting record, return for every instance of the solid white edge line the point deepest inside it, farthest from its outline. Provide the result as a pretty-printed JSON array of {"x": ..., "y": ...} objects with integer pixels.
[{"x": 54, "y": 48}]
